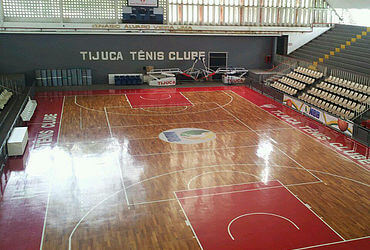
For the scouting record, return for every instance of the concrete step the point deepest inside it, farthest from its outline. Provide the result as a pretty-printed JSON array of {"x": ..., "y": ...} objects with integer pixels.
[
  {"x": 333, "y": 45},
  {"x": 349, "y": 28},
  {"x": 350, "y": 61},
  {"x": 360, "y": 56},
  {"x": 304, "y": 56},
  {"x": 346, "y": 66},
  {"x": 365, "y": 40}
]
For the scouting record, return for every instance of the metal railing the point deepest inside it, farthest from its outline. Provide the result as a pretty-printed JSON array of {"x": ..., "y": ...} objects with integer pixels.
[{"x": 176, "y": 12}]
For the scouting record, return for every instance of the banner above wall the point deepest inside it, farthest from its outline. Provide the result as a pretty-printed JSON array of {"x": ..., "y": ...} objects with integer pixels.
[{"x": 345, "y": 127}]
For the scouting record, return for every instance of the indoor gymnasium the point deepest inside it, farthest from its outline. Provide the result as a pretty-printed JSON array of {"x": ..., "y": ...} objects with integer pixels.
[{"x": 184, "y": 124}]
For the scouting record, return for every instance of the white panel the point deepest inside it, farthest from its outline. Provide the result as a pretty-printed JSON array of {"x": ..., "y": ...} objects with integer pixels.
[
  {"x": 346, "y": 4},
  {"x": 31, "y": 8},
  {"x": 296, "y": 41},
  {"x": 145, "y": 3}
]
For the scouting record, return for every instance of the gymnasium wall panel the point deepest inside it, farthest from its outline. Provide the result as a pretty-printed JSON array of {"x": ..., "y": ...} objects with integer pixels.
[{"x": 106, "y": 54}]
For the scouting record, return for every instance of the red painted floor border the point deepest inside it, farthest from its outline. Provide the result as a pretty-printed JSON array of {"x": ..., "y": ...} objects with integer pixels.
[
  {"x": 22, "y": 214},
  {"x": 335, "y": 140}
]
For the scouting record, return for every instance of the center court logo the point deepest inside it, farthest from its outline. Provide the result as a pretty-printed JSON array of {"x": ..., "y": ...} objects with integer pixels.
[{"x": 187, "y": 135}]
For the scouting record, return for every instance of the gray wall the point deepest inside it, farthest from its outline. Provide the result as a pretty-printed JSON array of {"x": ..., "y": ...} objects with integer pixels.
[{"x": 23, "y": 53}]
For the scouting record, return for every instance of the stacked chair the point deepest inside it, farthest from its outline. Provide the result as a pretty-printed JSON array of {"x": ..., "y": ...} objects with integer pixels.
[
  {"x": 4, "y": 98},
  {"x": 340, "y": 97},
  {"x": 307, "y": 72},
  {"x": 296, "y": 80},
  {"x": 284, "y": 88}
]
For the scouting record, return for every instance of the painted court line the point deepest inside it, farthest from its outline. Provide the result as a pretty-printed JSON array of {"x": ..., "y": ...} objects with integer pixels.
[
  {"x": 311, "y": 210},
  {"x": 211, "y": 166},
  {"x": 222, "y": 193},
  {"x": 333, "y": 243},
  {"x": 235, "y": 117},
  {"x": 127, "y": 91},
  {"x": 249, "y": 214},
  {"x": 110, "y": 129},
  {"x": 187, "y": 98},
  {"x": 188, "y": 221},
  {"x": 272, "y": 202},
  {"x": 60, "y": 120},
  {"x": 187, "y": 113},
  {"x": 170, "y": 123},
  {"x": 169, "y": 97},
  {"x": 50, "y": 183},
  {"x": 329, "y": 147},
  {"x": 129, "y": 103},
  {"x": 177, "y": 111},
  {"x": 217, "y": 133},
  {"x": 198, "y": 150},
  {"x": 218, "y": 171}
]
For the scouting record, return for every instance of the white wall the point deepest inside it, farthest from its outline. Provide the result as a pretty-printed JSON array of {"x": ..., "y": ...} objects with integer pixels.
[
  {"x": 357, "y": 4},
  {"x": 297, "y": 40}
]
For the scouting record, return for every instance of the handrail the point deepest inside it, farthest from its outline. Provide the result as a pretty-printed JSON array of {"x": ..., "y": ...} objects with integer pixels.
[{"x": 336, "y": 13}]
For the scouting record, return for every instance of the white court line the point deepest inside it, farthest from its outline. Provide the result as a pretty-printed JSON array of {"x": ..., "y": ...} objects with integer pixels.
[
  {"x": 153, "y": 91},
  {"x": 332, "y": 243},
  {"x": 222, "y": 193},
  {"x": 170, "y": 123},
  {"x": 60, "y": 120},
  {"x": 228, "y": 185},
  {"x": 192, "y": 151},
  {"x": 187, "y": 219},
  {"x": 128, "y": 101},
  {"x": 311, "y": 210},
  {"x": 249, "y": 214},
  {"x": 177, "y": 111},
  {"x": 186, "y": 169},
  {"x": 169, "y": 97},
  {"x": 186, "y": 98},
  {"x": 271, "y": 129},
  {"x": 217, "y": 133},
  {"x": 87, "y": 214},
  {"x": 211, "y": 166},
  {"x": 317, "y": 140},
  {"x": 218, "y": 171},
  {"x": 50, "y": 183},
  {"x": 272, "y": 144},
  {"x": 123, "y": 183},
  {"x": 45, "y": 217},
  {"x": 187, "y": 113},
  {"x": 246, "y": 164},
  {"x": 80, "y": 118},
  {"x": 110, "y": 129}
]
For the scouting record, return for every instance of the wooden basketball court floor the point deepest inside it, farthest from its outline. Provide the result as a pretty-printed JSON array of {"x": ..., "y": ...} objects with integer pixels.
[{"x": 226, "y": 174}]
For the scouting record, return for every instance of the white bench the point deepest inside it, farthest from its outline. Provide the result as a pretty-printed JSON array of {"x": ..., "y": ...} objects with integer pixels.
[
  {"x": 17, "y": 141},
  {"x": 29, "y": 110}
]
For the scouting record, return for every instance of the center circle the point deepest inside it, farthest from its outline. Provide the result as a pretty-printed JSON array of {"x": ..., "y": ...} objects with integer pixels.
[{"x": 187, "y": 135}]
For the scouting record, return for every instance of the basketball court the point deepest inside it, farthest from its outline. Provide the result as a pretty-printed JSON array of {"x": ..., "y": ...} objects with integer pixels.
[{"x": 185, "y": 168}]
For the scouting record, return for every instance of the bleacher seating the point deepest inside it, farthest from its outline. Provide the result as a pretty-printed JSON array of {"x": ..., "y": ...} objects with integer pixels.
[
  {"x": 4, "y": 98},
  {"x": 338, "y": 96},
  {"x": 297, "y": 80},
  {"x": 284, "y": 88},
  {"x": 311, "y": 73}
]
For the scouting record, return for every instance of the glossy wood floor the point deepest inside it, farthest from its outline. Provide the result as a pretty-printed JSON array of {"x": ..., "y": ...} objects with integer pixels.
[{"x": 113, "y": 179}]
